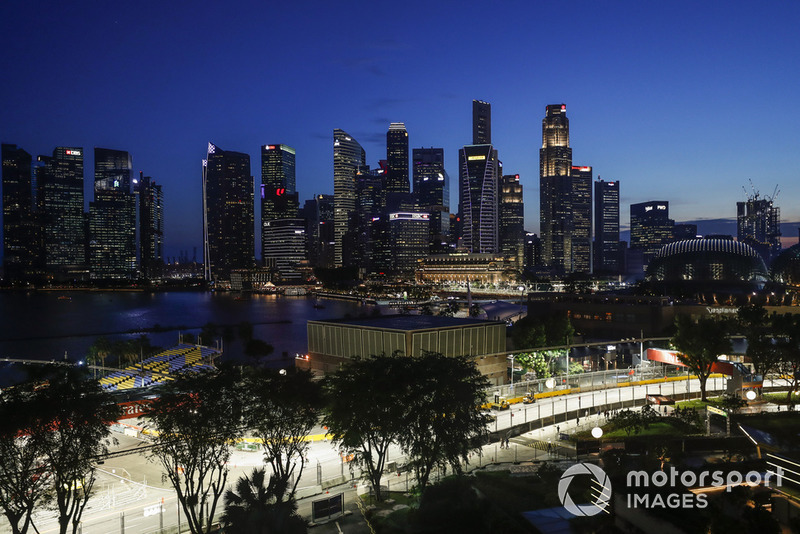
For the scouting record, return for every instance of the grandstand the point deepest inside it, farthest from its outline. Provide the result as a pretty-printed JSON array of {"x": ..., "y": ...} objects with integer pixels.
[{"x": 161, "y": 368}]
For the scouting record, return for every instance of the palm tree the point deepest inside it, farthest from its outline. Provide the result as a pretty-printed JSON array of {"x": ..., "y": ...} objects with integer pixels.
[{"x": 258, "y": 509}]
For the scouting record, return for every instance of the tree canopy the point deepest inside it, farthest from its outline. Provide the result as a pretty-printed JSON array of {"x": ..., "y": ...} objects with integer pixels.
[{"x": 700, "y": 343}]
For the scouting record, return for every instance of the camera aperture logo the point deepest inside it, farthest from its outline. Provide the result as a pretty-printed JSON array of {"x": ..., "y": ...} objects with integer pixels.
[{"x": 603, "y": 498}]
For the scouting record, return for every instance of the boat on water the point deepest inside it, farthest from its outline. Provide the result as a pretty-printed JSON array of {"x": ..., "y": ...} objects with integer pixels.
[{"x": 64, "y": 297}]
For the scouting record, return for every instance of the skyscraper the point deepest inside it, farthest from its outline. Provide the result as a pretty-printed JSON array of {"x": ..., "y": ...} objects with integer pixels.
[
  {"x": 758, "y": 223},
  {"x": 20, "y": 231},
  {"x": 607, "y": 254},
  {"x": 512, "y": 219},
  {"x": 60, "y": 200},
  {"x": 580, "y": 227},
  {"x": 112, "y": 217},
  {"x": 481, "y": 123},
  {"x": 478, "y": 198},
  {"x": 282, "y": 233},
  {"x": 432, "y": 191},
  {"x": 555, "y": 165},
  {"x": 228, "y": 213},
  {"x": 318, "y": 214},
  {"x": 651, "y": 228},
  {"x": 151, "y": 227},
  {"x": 397, "y": 158},
  {"x": 348, "y": 158}
]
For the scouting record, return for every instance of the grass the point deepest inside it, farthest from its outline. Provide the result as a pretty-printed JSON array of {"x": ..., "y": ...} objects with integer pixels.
[{"x": 659, "y": 428}]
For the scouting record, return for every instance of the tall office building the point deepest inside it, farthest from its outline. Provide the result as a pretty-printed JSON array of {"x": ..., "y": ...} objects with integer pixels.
[
  {"x": 607, "y": 253},
  {"x": 408, "y": 241},
  {"x": 21, "y": 235},
  {"x": 651, "y": 228},
  {"x": 512, "y": 219},
  {"x": 321, "y": 244},
  {"x": 151, "y": 227},
  {"x": 478, "y": 198},
  {"x": 580, "y": 228},
  {"x": 758, "y": 223},
  {"x": 348, "y": 158},
  {"x": 432, "y": 191},
  {"x": 481, "y": 123},
  {"x": 228, "y": 213},
  {"x": 281, "y": 230},
  {"x": 59, "y": 199},
  {"x": 555, "y": 166},
  {"x": 112, "y": 218},
  {"x": 397, "y": 158}
]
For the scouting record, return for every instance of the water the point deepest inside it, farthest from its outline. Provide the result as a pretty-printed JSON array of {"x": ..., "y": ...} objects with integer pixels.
[{"x": 46, "y": 325}]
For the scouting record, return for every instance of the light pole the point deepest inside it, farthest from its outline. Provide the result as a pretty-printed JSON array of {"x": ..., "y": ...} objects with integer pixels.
[
  {"x": 521, "y": 296},
  {"x": 511, "y": 388}
]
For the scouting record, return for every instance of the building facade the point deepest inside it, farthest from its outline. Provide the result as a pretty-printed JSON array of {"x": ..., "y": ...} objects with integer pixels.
[
  {"x": 397, "y": 158},
  {"x": 481, "y": 123},
  {"x": 228, "y": 213},
  {"x": 348, "y": 159},
  {"x": 758, "y": 223},
  {"x": 651, "y": 228},
  {"x": 479, "y": 198},
  {"x": 151, "y": 227},
  {"x": 512, "y": 219},
  {"x": 607, "y": 253},
  {"x": 280, "y": 234},
  {"x": 555, "y": 166},
  {"x": 432, "y": 192},
  {"x": 21, "y": 234},
  {"x": 580, "y": 220},
  {"x": 112, "y": 217}
]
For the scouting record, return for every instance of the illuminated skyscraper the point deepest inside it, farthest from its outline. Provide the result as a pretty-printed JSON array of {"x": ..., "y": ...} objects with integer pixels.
[
  {"x": 651, "y": 228},
  {"x": 481, "y": 123},
  {"x": 282, "y": 233},
  {"x": 479, "y": 198},
  {"x": 397, "y": 158},
  {"x": 607, "y": 254},
  {"x": 318, "y": 214},
  {"x": 112, "y": 217},
  {"x": 512, "y": 219},
  {"x": 228, "y": 209},
  {"x": 758, "y": 223},
  {"x": 151, "y": 227},
  {"x": 21, "y": 235},
  {"x": 555, "y": 165},
  {"x": 348, "y": 159},
  {"x": 580, "y": 225},
  {"x": 60, "y": 200},
  {"x": 432, "y": 191}
]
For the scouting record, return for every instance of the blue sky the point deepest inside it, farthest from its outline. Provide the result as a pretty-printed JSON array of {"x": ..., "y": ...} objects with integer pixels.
[{"x": 679, "y": 101}]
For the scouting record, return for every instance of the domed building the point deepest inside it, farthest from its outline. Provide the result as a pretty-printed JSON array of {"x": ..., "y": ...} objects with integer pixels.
[
  {"x": 786, "y": 267},
  {"x": 717, "y": 264}
]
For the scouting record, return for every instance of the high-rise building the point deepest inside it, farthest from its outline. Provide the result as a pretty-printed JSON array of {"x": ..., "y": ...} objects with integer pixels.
[
  {"x": 481, "y": 123},
  {"x": 478, "y": 198},
  {"x": 228, "y": 213},
  {"x": 397, "y": 158},
  {"x": 151, "y": 227},
  {"x": 432, "y": 191},
  {"x": 112, "y": 217},
  {"x": 21, "y": 236},
  {"x": 533, "y": 251},
  {"x": 279, "y": 205},
  {"x": 370, "y": 242},
  {"x": 512, "y": 219},
  {"x": 607, "y": 253},
  {"x": 651, "y": 228},
  {"x": 318, "y": 214},
  {"x": 348, "y": 158},
  {"x": 555, "y": 188},
  {"x": 758, "y": 224},
  {"x": 408, "y": 240},
  {"x": 580, "y": 227},
  {"x": 59, "y": 198}
]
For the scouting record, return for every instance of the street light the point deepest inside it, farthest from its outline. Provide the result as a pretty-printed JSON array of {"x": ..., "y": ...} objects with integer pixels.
[
  {"x": 512, "y": 371},
  {"x": 521, "y": 295}
]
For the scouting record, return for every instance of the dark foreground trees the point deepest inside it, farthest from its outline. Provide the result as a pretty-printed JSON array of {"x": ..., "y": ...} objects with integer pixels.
[
  {"x": 427, "y": 405},
  {"x": 256, "y": 507},
  {"x": 51, "y": 436},
  {"x": 196, "y": 419},
  {"x": 700, "y": 343}
]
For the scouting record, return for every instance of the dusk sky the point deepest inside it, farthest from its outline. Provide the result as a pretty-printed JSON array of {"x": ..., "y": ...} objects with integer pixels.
[{"x": 679, "y": 101}]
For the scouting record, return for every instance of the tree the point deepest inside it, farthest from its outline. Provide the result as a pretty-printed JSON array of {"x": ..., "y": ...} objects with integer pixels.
[
  {"x": 441, "y": 425},
  {"x": 364, "y": 412},
  {"x": 257, "y": 349},
  {"x": 23, "y": 478},
  {"x": 99, "y": 351},
  {"x": 787, "y": 343},
  {"x": 197, "y": 418},
  {"x": 73, "y": 417},
  {"x": 256, "y": 508},
  {"x": 700, "y": 343},
  {"x": 536, "y": 362},
  {"x": 282, "y": 411},
  {"x": 754, "y": 322}
]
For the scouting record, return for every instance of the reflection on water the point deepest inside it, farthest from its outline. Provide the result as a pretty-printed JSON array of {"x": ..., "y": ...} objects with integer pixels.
[{"x": 40, "y": 325}]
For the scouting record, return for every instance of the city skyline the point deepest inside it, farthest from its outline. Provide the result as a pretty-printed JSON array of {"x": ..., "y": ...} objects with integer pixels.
[{"x": 669, "y": 111}]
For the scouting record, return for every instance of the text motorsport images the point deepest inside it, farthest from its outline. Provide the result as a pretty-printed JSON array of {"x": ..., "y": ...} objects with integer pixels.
[{"x": 658, "y": 479}]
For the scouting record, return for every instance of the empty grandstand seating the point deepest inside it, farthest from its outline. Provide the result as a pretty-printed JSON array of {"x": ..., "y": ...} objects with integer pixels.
[{"x": 161, "y": 367}]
